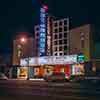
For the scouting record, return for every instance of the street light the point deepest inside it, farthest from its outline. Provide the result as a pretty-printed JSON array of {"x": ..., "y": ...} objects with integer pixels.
[{"x": 23, "y": 40}]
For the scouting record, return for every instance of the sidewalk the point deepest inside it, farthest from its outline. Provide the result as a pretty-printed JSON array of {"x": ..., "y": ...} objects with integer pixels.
[
  {"x": 28, "y": 79},
  {"x": 37, "y": 79}
]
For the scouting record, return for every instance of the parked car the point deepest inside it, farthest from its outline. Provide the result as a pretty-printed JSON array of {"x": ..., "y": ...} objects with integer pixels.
[
  {"x": 84, "y": 78},
  {"x": 57, "y": 77},
  {"x": 92, "y": 78},
  {"x": 77, "y": 78},
  {"x": 3, "y": 77}
]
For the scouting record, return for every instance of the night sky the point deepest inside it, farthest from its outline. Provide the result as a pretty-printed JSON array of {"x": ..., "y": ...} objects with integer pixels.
[{"x": 22, "y": 15}]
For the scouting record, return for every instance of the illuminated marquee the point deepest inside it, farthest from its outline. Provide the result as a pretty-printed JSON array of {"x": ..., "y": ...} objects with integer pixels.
[
  {"x": 49, "y": 60},
  {"x": 48, "y": 37},
  {"x": 42, "y": 40}
]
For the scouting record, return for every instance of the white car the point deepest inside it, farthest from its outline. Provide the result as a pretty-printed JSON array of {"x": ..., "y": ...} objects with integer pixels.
[{"x": 3, "y": 77}]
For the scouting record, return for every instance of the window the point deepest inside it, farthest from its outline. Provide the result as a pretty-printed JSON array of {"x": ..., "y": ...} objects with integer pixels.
[
  {"x": 65, "y": 41},
  {"x": 87, "y": 37},
  {"x": 65, "y": 22},
  {"x": 37, "y": 45},
  {"x": 60, "y": 41},
  {"x": 37, "y": 34},
  {"x": 60, "y": 23},
  {"x": 55, "y": 24},
  {"x": 60, "y": 29},
  {"x": 42, "y": 35},
  {"x": 82, "y": 36},
  {"x": 55, "y": 54},
  {"x": 60, "y": 48},
  {"x": 65, "y": 48},
  {"x": 42, "y": 25},
  {"x": 56, "y": 30},
  {"x": 60, "y": 54},
  {"x": 65, "y": 28},
  {"x": 55, "y": 42},
  {"x": 42, "y": 30},
  {"x": 65, "y": 35},
  {"x": 55, "y": 36},
  {"x": 37, "y": 40},
  {"x": 55, "y": 49},
  {"x": 60, "y": 36},
  {"x": 82, "y": 43},
  {"x": 37, "y": 29}
]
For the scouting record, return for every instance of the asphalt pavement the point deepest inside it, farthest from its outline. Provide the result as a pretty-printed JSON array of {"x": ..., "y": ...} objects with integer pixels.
[{"x": 41, "y": 90}]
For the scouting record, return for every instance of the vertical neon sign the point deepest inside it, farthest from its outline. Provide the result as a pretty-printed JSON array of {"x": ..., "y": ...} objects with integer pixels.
[
  {"x": 48, "y": 36},
  {"x": 42, "y": 40}
]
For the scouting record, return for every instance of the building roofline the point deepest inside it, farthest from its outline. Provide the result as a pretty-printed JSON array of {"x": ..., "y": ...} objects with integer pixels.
[{"x": 77, "y": 27}]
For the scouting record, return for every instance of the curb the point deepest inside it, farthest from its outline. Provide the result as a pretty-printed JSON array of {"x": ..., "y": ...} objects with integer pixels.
[{"x": 29, "y": 79}]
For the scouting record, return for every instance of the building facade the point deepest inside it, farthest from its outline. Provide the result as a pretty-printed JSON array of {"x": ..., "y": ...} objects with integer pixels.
[
  {"x": 57, "y": 37},
  {"x": 36, "y": 38},
  {"x": 22, "y": 49},
  {"x": 60, "y": 37},
  {"x": 64, "y": 49},
  {"x": 65, "y": 41},
  {"x": 81, "y": 41},
  {"x": 55, "y": 48}
]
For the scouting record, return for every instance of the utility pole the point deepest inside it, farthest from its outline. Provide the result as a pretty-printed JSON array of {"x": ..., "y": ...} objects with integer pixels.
[{"x": 28, "y": 64}]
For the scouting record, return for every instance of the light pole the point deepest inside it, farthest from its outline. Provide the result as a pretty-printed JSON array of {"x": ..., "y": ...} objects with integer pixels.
[
  {"x": 23, "y": 42},
  {"x": 28, "y": 59}
]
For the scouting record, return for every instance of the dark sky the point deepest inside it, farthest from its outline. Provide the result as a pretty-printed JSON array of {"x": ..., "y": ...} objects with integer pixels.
[{"x": 21, "y": 15}]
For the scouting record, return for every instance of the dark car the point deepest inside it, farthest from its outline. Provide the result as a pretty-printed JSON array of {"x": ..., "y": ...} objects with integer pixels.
[
  {"x": 84, "y": 78},
  {"x": 57, "y": 77},
  {"x": 77, "y": 78}
]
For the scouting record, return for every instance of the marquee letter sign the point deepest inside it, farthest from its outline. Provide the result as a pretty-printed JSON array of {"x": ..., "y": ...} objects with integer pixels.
[{"x": 42, "y": 40}]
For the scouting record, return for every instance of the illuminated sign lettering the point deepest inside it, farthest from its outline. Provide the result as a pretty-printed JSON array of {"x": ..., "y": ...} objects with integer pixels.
[
  {"x": 48, "y": 37},
  {"x": 70, "y": 59},
  {"x": 42, "y": 40},
  {"x": 81, "y": 58}
]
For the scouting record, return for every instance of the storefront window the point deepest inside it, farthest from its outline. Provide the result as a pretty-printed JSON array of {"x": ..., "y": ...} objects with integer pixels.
[
  {"x": 62, "y": 70},
  {"x": 77, "y": 69},
  {"x": 23, "y": 72},
  {"x": 36, "y": 71},
  {"x": 48, "y": 70}
]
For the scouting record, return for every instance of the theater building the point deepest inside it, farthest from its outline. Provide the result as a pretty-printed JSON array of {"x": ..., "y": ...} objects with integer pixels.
[{"x": 39, "y": 67}]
